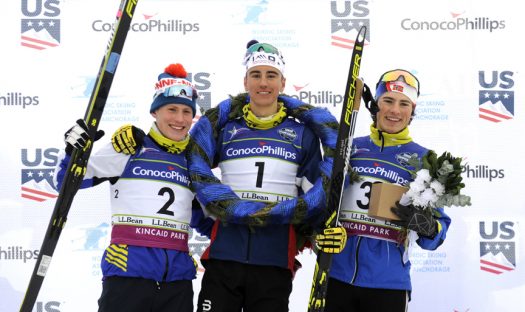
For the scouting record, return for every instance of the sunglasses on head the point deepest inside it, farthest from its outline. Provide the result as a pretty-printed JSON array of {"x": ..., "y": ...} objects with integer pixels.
[
  {"x": 177, "y": 91},
  {"x": 264, "y": 47},
  {"x": 401, "y": 75}
]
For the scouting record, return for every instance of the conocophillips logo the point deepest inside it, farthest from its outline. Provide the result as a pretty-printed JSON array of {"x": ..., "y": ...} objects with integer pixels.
[
  {"x": 37, "y": 177},
  {"x": 347, "y": 19},
  {"x": 455, "y": 23},
  {"x": 40, "y": 29},
  {"x": 497, "y": 250},
  {"x": 264, "y": 149},
  {"x": 496, "y": 105},
  {"x": 17, "y": 253},
  {"x": 381, "y": 171},
  {"x": 151, "y": 25},
  {"x": 482, "y": 172},
  {"x": 317, "y": 97},
  {"x": 168, "y": 174},
  {"x": 18, "y": 99}
]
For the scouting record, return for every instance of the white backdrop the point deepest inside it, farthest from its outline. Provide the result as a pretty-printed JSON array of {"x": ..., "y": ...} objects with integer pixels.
[{"x": 465, "y": 53}]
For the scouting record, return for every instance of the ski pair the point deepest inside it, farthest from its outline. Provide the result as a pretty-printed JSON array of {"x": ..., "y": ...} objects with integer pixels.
[
  {"x": 351, "y": 103},
  {"x": 77, "y": 164}
]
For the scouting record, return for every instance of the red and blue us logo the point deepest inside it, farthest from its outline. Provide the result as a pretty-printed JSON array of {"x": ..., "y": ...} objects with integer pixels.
[
  {"x": 40, "y": 25},
  {"x": 347, "y": 19},
  {"x": 497, "y": 248},
  {"x": 37, "y": 174},
  {"x": 496, "y": 97}
]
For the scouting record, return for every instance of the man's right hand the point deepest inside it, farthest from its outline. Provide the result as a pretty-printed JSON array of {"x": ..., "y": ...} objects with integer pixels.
[
  {"x": 77, "y": 136},
  {"x": 127, "y": 139}
]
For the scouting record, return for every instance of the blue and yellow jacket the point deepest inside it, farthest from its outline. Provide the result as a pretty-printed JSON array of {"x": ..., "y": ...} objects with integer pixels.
[
  {"x": 152, "y": 211},
  {"x": 375, "y": 255}
]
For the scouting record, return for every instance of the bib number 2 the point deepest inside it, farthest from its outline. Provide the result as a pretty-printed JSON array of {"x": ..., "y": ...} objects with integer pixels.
[{"x": 171, "y": 200}]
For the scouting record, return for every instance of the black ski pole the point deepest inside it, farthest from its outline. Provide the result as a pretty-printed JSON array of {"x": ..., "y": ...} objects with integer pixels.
[
  {"x": 77, "y": 164},
  {"x": 351, "y": 102}
]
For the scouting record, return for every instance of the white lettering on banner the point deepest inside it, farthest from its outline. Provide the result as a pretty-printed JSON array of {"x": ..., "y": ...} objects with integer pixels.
[
  {"x": 173, "y": 175},
  {"x": 370, "y": 230},
  {"x": 161, "y": 233},
  {"x": 388, "y": 174},
  {"x": 266, "y": 149},
  {"x": 177, "y": 235},
  {"x": 379, "y": 231},
  {"x": 151, "y": 231}
]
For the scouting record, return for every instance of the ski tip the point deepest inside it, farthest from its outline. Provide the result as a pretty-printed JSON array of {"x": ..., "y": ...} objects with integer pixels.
[{"x": 361, "y": 34}]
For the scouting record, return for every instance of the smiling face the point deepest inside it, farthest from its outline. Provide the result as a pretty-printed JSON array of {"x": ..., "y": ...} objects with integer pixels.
[
  {"x": 395, "y": 112},
  {"x": 174, "y": 120},
  {"x": 264, "y": 83}
]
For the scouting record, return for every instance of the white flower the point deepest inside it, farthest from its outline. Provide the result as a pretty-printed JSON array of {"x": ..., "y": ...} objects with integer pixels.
[
  {"x": 417, "y": 186},
  {"x": 412, "y": 192},
  {"x": 423, "y": 176},
  {"x": 438, "y": 188},
  {"x": 419, "y": 201},
  {"x": 428, "y": 197}
]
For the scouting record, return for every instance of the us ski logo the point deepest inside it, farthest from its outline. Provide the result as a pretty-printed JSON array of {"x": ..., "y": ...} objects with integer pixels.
[
  {"x": 347, "y": 19},
  {"x": 497, "y": 250},
  {"x": 37, "y": 176},
  {"x": 40, "y": 27},
  {"x": 496, "y": 98}
]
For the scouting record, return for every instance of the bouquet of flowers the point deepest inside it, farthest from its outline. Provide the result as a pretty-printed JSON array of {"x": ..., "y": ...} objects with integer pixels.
[{"x": 437, "y": 182}]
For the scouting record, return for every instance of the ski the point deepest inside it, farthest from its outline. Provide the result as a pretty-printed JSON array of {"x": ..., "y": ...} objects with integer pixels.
[
  {"x": 77, "y": 164},
  {"x": 351, "y": 103}
]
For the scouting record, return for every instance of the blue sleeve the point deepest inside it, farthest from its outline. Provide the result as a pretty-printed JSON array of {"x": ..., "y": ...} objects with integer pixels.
[
  {"x": 61, "y": 172},
  {"x": 309, "y": 168},
  {"x": 433, "y": 243},
  {"x": 199, "y": 221}
]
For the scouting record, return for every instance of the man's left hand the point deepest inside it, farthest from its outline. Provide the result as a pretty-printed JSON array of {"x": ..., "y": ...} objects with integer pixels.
[
  {"x": 420, "y": 220},
  {"x": 128, "y": 139}
]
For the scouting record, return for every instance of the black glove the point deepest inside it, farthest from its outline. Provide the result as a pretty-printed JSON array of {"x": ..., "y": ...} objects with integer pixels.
[
  {"x": 127, "y": 139},
  {"x": 420, "y": 220},
  {"x": 77, "y": 136}
]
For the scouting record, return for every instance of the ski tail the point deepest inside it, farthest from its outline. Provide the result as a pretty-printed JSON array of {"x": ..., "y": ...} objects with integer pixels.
[
  {"x": 77, "y": 165},
  {"x": 351, "y": 103}
]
